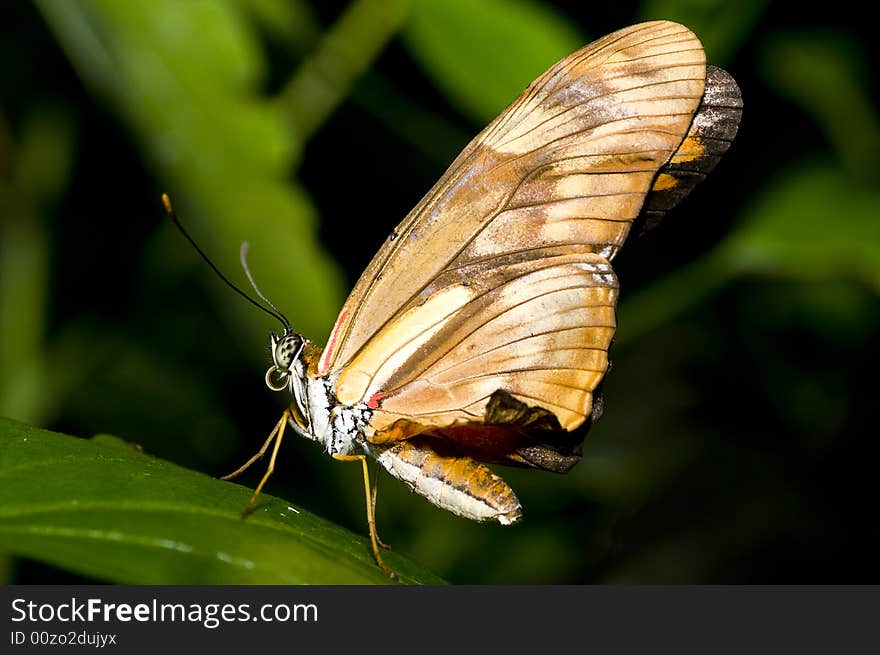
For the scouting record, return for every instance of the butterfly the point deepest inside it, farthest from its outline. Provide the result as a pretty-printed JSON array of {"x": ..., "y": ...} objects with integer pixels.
[{"x": 479, "y": 333}]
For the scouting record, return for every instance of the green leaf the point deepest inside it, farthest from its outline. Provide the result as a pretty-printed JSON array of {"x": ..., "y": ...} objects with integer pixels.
[
  {"x": 813, "y": 223},
  {"x": 101, "y": 508},
  {"x": 220, "y": 145},
  {"x": 483, "y": 54},
  {"x": 825, "y": 74}
]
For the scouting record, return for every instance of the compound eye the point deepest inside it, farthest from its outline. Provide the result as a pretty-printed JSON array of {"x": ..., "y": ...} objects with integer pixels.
[
  {"x": 276, "y": 379},
  {"x": 285, "y": 352}
]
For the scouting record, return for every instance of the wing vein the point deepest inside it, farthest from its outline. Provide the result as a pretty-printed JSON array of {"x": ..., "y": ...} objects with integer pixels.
[
  {"x": 611, "y": 92},
  {"x": 586, "y": 53}
]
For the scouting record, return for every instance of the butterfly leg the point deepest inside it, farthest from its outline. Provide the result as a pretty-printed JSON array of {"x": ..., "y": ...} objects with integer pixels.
[
  {"x": 371, "y": 515},
  {"x": 244, "y": 467},
  {"x": 381, "y": 543},
  {"x": 277, "y": 434}
]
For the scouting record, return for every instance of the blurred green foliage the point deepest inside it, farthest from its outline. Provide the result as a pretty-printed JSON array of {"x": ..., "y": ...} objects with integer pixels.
[
  {"x": 102, "y": 508},
  {"x": 738, "y": 441},
  {"x": 446, "y": 37}
]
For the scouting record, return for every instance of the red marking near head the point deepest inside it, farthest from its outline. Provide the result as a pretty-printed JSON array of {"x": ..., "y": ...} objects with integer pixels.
[
  {"x": 373, "y": 402},
  {"x": 324, "y": 364}
]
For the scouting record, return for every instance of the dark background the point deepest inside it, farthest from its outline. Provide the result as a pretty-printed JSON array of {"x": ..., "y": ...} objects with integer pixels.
[{"x": 739, "y": 440}]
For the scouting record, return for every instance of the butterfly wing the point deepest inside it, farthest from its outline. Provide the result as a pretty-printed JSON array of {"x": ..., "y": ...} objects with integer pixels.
[
  {"x": 567, "y": 164},
  {"x": 499, "y": 280},
  {"x": 538, "y": 329}
]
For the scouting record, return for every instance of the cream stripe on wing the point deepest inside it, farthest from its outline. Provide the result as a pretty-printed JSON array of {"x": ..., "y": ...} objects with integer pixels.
[{"x": 391, "y": 348}]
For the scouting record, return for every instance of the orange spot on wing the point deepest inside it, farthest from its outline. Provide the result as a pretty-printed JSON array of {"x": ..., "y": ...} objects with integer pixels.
[
  {"x": 690, "y": 149},
  {"x": 664, "y": 181}
]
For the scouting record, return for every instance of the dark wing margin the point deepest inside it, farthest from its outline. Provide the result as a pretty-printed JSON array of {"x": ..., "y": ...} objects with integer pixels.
[{"x": 712, "y": 131}]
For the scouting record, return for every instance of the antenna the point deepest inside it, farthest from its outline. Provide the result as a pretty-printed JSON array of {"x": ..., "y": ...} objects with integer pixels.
[
  {"x": 242, "y": 254},
  {"x": 169, "y": 209}
]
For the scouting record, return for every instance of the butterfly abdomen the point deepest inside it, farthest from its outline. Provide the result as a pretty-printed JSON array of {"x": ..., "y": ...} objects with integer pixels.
[{"x": 457, "y": 484}]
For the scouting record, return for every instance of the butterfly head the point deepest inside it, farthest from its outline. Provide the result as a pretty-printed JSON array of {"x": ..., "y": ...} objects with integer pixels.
[
  {"x": 289, "y": 372},
  {"x": 287, "y": 361}
]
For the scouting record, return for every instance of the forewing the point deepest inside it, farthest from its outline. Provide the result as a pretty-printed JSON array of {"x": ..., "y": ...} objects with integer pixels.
[{"x": 563, "y": 170}]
